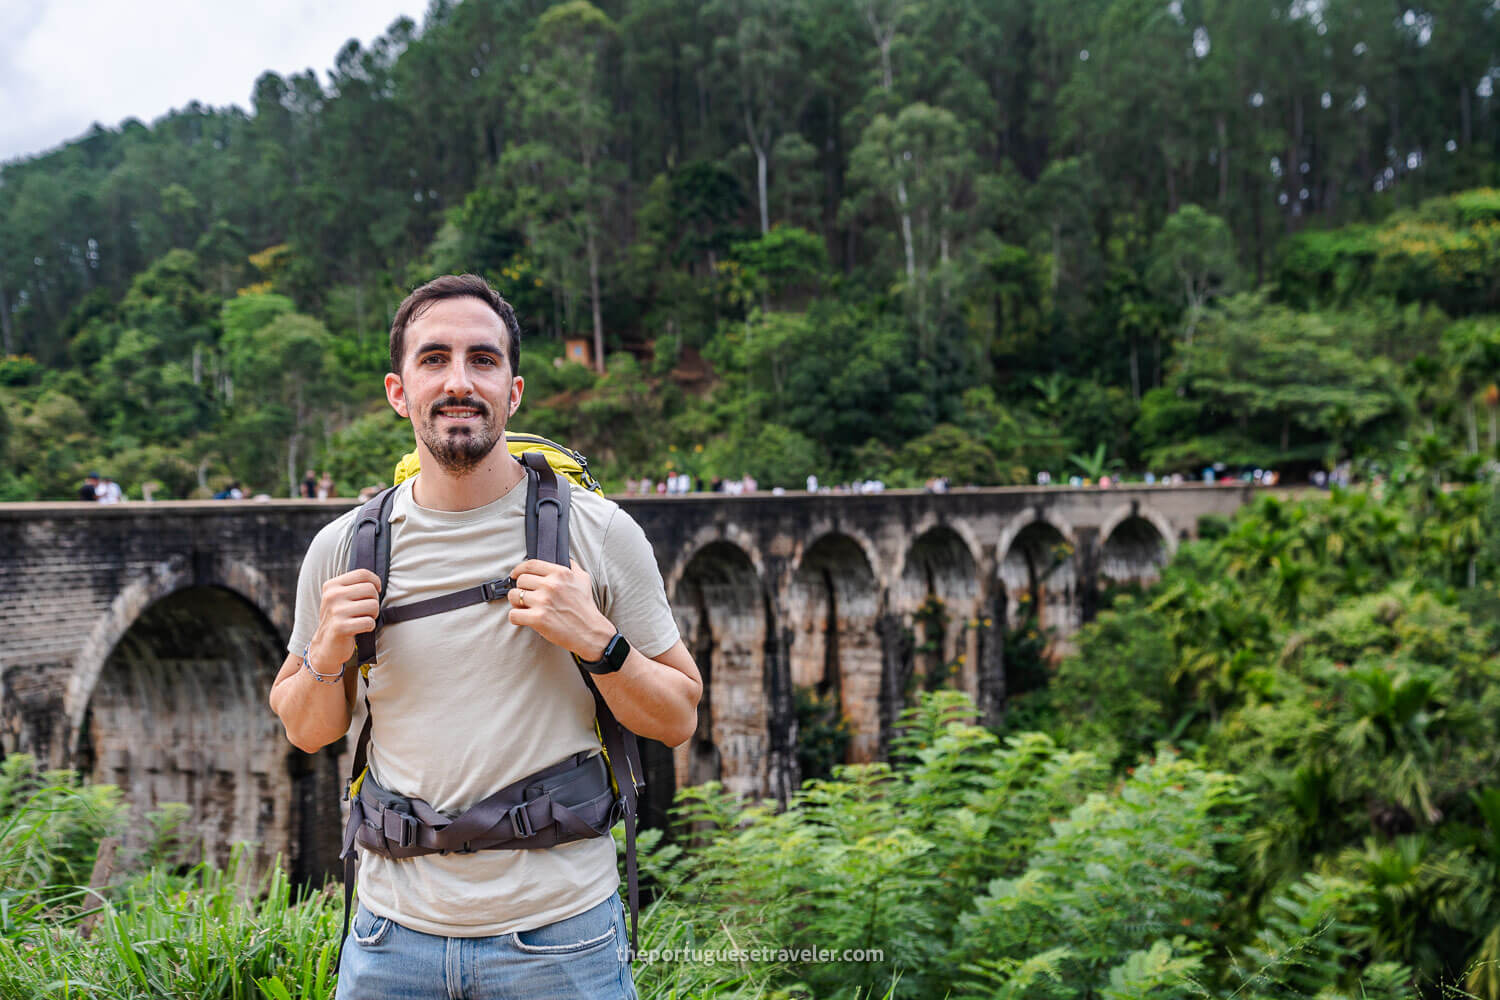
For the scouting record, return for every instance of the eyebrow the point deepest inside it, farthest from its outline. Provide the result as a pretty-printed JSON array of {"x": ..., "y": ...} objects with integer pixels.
[{"x": 431, "y": 346}]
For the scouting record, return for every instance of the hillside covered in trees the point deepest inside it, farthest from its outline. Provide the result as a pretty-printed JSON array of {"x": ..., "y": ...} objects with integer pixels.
[{"x": 978, "y": 238}]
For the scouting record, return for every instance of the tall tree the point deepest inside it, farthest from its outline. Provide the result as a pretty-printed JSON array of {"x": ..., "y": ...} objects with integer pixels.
[
  {"x": 562, "y": 175},
  {"x": 1193, "y": 262},
  {"x": 757, "y": 52},
  {"x": 921, "y": 166}
]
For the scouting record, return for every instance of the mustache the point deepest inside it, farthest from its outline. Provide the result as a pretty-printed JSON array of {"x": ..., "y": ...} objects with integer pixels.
[{"x": 469, "y": 402}]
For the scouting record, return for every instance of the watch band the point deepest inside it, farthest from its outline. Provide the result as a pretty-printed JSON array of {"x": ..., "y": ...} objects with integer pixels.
[{"x": 611, "y": 660}]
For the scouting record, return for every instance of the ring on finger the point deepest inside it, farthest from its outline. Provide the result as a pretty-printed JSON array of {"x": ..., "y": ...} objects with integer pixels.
[{"x": 521, "y": 597}]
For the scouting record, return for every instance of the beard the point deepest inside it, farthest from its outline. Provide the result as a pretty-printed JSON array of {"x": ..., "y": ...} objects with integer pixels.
[{"x": 458, "y": 449}]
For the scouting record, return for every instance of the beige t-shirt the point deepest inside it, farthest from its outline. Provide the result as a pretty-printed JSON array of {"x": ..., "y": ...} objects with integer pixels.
[{"x": 465, "y": 703}]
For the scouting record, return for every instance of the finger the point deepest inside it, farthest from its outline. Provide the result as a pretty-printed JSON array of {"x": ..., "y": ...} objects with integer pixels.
[
  {"x": 362, "y": 624},
  {"x": 514, "y": 597},
  {"x": 531, "y": 581},
  {"x": 351, "y": 591},
  {"x": 524, "y": 617},
  {"x": 536, "y": 567},
  {"x": 359, "y": 592},
  {"x": 368, "y": 608},
  {"x": 357, "y": 576}
]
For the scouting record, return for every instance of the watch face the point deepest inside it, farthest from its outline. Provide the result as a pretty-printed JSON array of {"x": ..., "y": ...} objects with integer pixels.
[{"x": 616, "y": 652}]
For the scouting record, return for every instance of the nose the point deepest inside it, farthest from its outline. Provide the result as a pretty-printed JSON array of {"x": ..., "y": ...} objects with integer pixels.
[{"x": 456, "y": 381}]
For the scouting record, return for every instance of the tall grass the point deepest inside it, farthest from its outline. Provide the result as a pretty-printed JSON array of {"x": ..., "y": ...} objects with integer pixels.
[{"x": 973, "y": 867}]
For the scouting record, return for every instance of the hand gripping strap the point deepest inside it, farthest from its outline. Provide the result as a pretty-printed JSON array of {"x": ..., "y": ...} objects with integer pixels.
[{"x": 371, "y": 549}]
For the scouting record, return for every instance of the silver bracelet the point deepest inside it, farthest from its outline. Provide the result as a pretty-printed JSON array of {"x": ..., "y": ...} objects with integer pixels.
[{"x": 320, "y": 678}]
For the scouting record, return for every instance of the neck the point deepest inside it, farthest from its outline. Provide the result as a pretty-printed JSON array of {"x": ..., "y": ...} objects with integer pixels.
[{"x": 438, "y": 489}]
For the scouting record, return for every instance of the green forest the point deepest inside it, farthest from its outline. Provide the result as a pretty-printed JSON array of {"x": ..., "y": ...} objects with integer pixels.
[{"x": 870, "y": 239}]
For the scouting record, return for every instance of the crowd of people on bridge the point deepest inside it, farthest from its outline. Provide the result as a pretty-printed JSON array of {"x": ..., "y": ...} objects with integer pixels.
[{"x": 100, "y": 489}]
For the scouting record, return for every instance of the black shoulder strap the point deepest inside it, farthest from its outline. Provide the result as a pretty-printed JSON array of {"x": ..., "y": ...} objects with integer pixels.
[
  {"x": 547, "y": 507},
  {"x": 548, "y": 500},
  {"x": 371, "y": 549}
]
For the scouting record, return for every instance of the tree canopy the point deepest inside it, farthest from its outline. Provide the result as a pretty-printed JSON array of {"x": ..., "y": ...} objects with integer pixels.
[{"x": 981, "y": 194}]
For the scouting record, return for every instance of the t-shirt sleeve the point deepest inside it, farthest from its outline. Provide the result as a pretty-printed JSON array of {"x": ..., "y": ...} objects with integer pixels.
[
  {"x": 635, "y": 598},
  {"x": 324, "y": 561}
]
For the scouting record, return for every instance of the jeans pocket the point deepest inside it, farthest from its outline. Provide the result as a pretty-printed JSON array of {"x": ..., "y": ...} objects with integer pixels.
[
  {"x": 368, "y": 930},
  {"x": 589, "y": 930}
]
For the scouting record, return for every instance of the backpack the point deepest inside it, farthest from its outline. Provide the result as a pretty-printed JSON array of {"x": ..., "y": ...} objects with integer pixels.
[
  {"x": 577, "y": 798},
  {"x": 564, "y": 460}
]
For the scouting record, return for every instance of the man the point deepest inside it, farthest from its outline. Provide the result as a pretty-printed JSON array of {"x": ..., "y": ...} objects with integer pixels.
[
  {"x": 90, "y": 489},
  {"x": 308, "y": 489},
  {"x": 469, "y": 701}
]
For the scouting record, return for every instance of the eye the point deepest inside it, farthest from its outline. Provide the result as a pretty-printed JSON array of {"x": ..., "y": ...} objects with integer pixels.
[
  {"x": 485, "y": 359},
  {"x": 431, "y": 358}
]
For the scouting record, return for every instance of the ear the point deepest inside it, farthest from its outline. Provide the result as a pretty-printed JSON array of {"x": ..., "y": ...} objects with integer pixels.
[
  {"x": 517, "y": 387},
  {"x": 395, "y": 394}
]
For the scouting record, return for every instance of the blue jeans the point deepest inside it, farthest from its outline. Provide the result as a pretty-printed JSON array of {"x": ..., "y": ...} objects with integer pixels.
[{"x": 586, "y": 956}]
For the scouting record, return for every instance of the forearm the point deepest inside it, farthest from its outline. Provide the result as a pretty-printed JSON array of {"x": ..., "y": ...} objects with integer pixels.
[
  {"x": 653, "y": 699},
  {"x": 314, "y": 713}
]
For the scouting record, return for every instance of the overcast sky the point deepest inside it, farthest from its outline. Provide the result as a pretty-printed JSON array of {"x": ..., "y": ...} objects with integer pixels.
[{"x": 65, "y": 64}]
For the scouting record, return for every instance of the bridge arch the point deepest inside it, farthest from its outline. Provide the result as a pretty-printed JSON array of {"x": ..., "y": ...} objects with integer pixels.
[
  {"x": 165, "y": 578},
  {"x": 833, "y": 605},
  {"x": 175, "y": 710},
  {"x": 1036, "y": 560},
  {"x": 724, "y": 613},
  {"x": 938, "y": 591},
  {"x": 1135, "y": 542},
  {"x": 706, "y": 537}
]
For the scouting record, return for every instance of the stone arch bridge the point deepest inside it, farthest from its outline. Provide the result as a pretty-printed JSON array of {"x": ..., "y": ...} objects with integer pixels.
[{"x": 138, "y": 641}]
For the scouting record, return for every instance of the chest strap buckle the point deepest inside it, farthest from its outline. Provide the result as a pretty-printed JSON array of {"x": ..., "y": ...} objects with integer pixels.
[{"x": 494, "y": 590}]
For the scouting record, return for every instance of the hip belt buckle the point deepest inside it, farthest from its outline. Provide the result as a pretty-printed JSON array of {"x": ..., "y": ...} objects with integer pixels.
[
  {"x": 520, "y": 821},
  {"x": 403, "y": 831}
]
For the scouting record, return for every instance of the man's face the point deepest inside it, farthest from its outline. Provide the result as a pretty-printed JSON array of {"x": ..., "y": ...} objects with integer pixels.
[{"x": 455, "y": 383}]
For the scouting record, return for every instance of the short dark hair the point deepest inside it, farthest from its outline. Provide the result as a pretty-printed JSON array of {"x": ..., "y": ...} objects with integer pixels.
[{"x": 453, "y": 286}]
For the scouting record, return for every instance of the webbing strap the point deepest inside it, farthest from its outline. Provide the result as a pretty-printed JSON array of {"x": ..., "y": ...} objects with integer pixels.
[
  {"x": 625, "y": 762},
  {"x": 349, "y": 854},
  {"x": 494, "y": 590}
]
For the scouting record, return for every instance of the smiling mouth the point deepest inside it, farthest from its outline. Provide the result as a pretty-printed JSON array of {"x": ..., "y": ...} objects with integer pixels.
[{"x": 458, "y": 412}]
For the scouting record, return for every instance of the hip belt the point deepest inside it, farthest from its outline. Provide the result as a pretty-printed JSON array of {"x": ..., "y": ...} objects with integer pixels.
[{"x": 571, "y": 800}]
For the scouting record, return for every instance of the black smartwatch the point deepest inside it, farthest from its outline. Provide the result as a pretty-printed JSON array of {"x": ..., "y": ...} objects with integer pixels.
[{"x": 612, "y": 659}]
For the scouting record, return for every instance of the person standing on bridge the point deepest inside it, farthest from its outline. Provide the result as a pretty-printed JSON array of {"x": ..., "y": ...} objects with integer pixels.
[{"x": 479, "y": 698}]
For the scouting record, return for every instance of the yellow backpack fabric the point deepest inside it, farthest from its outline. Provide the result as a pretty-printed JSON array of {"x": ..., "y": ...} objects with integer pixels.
[{"x": 564, "y": 461}]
